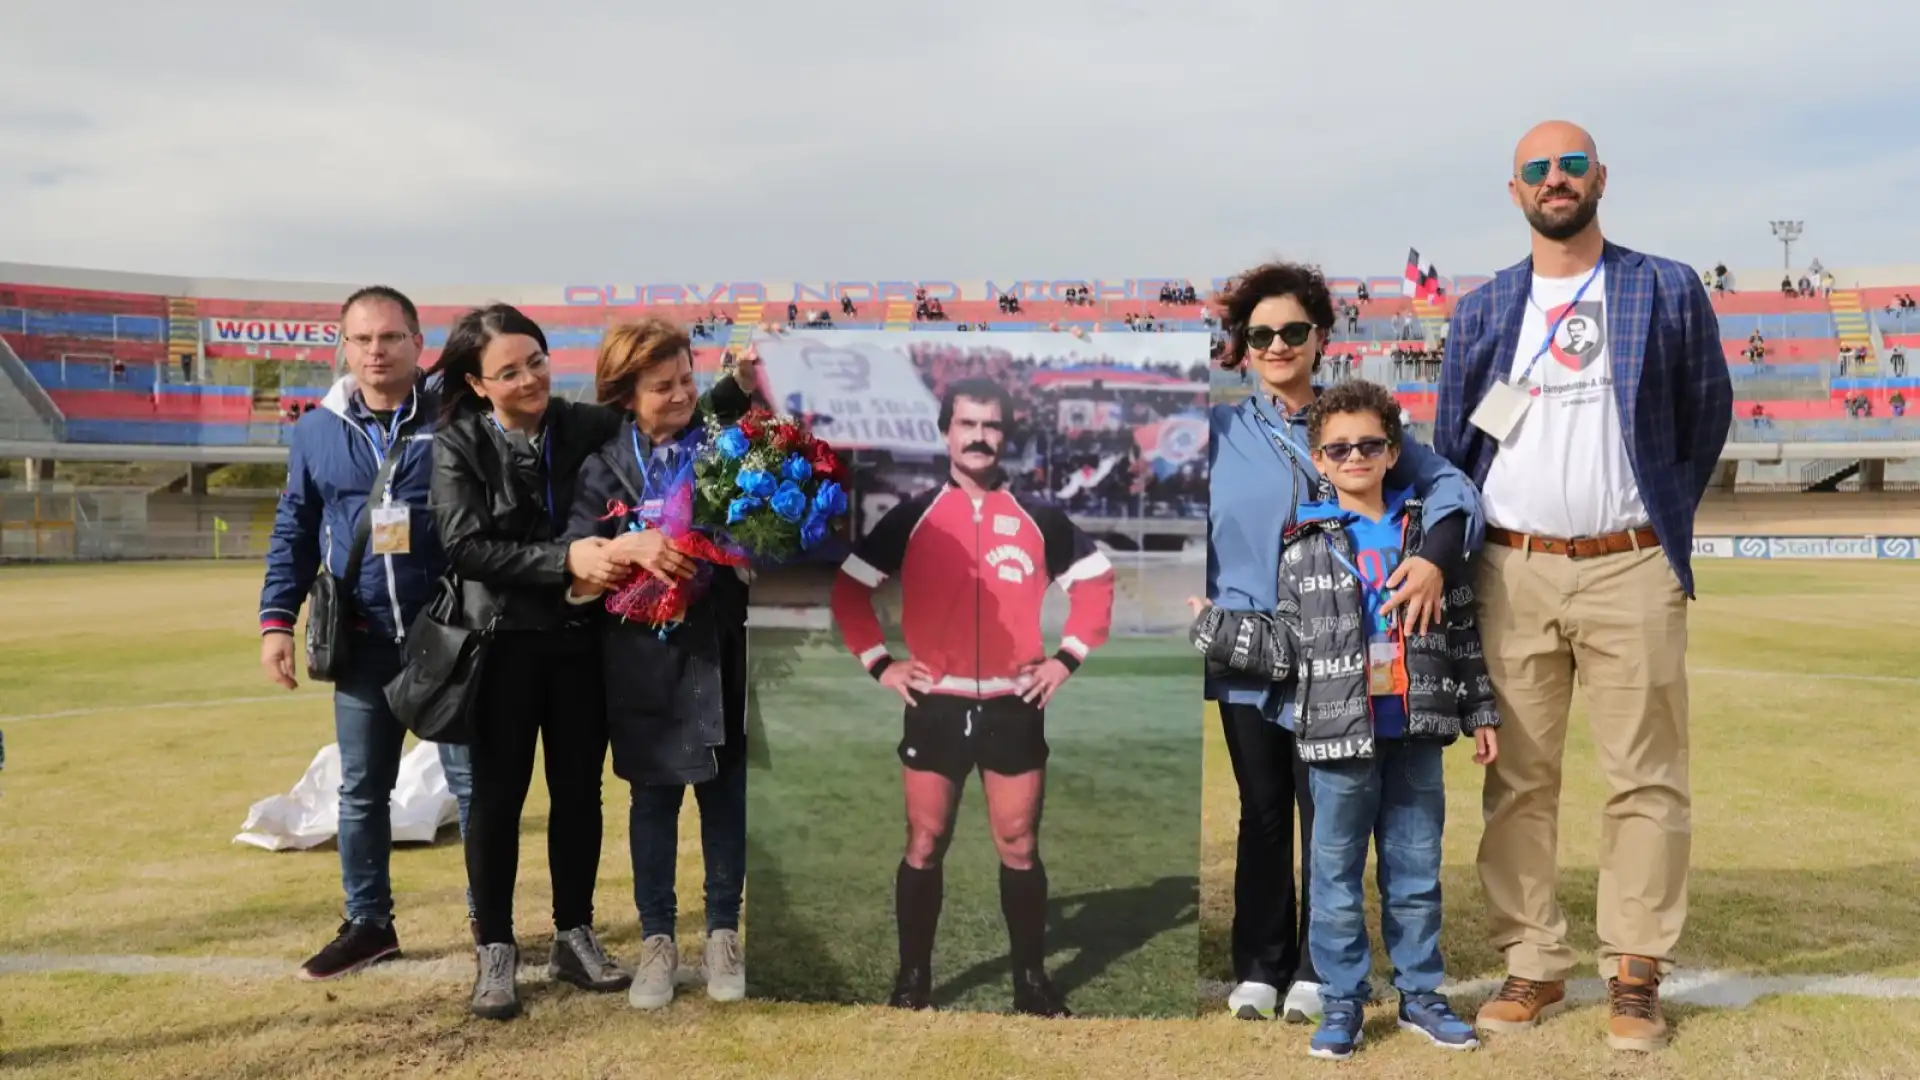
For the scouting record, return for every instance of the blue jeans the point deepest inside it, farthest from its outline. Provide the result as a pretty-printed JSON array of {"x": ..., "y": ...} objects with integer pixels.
[
  {"x": 1398, "y": 800},
  {"x": 370, "y": 739},
  {"x": 654, "y": 826}
]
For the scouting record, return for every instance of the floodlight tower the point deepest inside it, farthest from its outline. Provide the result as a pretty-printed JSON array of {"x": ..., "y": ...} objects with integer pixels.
[{"x": 1787, "y": 232}]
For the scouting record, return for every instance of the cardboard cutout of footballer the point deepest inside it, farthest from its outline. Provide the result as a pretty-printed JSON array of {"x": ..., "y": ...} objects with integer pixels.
[
  {"x": 974, "y": 562},
  {"x": 977, "y": 776}
]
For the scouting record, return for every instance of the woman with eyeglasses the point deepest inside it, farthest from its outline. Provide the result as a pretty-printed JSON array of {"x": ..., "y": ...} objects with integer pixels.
[
  {"x": 1277, "y": 319},
  {"x": 507, "y": 458},
  {"x": 676, "y": 695}
]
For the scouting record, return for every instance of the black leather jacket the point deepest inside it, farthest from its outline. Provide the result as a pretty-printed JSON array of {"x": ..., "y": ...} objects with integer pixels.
[{"x": 502, "y": 507}]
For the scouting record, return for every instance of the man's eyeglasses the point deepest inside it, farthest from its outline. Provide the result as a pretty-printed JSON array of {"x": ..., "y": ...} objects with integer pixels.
[
  {"x": 1295, "y": 334},
  {"x": 365, "y": 342},
  {"x": 534, "y": 365},
  {"x": 1534, "y": 173},
  {"x": 1341, "y": 451}
]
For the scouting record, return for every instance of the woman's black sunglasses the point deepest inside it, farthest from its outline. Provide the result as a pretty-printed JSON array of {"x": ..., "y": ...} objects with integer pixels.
[
  {"x": 1294, "y": 334},
  {"x": 1341, "y": 451}
]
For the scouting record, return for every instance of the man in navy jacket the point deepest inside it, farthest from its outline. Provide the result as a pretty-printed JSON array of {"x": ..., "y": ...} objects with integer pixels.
[
  {"x": 380, "y": 409},
  {"x": 1586, "y": 391}
]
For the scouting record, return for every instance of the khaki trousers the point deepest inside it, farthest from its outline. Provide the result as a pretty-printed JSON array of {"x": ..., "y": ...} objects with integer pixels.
[{"x": 1618, "y": 625}]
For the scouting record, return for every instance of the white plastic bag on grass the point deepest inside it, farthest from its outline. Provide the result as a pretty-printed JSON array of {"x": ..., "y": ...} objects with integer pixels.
[{"x": 309, "y": 815}]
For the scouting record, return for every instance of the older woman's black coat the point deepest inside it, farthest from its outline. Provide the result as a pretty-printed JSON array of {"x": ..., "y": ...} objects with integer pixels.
[{"x": 676, "y": 705}]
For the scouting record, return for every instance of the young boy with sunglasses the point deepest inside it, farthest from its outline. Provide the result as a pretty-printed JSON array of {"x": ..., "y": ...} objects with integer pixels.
[{"x": 1380, "y": 693}]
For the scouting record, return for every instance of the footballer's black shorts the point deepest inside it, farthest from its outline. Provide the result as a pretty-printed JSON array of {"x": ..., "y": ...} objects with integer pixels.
[{"x": 953, "y": 736}]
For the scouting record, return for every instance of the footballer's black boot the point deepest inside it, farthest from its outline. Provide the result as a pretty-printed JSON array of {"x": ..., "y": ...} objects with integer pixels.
[
  {"x": 912, "y": 989},
  {"x": 1034, "y": 995}
]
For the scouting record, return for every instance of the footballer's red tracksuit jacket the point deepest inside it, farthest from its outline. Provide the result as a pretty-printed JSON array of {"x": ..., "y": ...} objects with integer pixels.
[{"x": 972, "y": 580}]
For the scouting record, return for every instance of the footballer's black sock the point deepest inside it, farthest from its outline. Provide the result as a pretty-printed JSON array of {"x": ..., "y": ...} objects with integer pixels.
[
  {"x": 1023, "y": 900},
  {"x": 916, "y": 908}
]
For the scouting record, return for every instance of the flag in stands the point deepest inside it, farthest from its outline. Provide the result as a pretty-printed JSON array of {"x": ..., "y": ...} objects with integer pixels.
[
  {"x": 1421, "y": 284},
  {"x": 1173, "y": 442}
]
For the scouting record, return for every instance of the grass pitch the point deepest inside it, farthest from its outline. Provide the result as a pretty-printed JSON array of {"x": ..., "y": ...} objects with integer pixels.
[{"x": 116, "y": 817}]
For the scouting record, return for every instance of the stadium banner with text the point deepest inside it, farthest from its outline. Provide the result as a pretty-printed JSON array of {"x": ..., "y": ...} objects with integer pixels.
[
  {"x": 304, "y": 333},
  {"x": 1806, "y": 547},
  {"x": 1003, "y": 629},
  {"x": 1142, "y": 290}
]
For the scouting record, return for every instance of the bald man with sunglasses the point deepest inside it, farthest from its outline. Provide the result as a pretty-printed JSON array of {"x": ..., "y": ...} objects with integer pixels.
[{"x": 1585, "y": 390}]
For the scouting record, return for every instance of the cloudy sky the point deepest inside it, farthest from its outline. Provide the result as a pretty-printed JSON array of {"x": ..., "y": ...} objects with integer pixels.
[{"x": 863, "y": 139}]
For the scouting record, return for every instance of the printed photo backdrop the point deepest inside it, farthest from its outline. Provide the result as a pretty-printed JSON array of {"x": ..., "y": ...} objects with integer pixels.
[{"x": 1091, "y": 546}]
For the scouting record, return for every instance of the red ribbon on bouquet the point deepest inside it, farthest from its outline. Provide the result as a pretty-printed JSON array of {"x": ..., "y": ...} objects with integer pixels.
[{"x": 648, "y": 600}]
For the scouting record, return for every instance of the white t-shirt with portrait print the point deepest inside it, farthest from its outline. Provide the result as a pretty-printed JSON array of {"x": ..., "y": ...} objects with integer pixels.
[{"x": 1563, "y": 471}]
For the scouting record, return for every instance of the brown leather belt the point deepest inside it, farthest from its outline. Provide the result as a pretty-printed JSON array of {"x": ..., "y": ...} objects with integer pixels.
[{"x": 1583, "y": 548}]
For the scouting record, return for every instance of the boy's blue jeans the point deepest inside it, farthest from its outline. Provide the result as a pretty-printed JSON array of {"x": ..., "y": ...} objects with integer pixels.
[{"x": 1398, "y": 800}]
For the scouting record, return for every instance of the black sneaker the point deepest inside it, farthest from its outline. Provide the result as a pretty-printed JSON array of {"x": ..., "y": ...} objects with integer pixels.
[
  {"x": 357, "y": 945},
  {"x": 1034, "y": 995},
  {"x": 912, "y": 989}
]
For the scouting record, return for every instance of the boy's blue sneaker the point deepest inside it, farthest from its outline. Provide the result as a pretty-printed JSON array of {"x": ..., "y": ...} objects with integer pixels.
[
  {"x": 1430, "y": 1015},
  {"x": 1339, "y": 1030}
]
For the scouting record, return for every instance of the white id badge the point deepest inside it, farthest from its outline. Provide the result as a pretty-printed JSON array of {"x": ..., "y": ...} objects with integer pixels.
[
  {"x": 391, "y": 535},
  {"x": 1500, "y": 411}
]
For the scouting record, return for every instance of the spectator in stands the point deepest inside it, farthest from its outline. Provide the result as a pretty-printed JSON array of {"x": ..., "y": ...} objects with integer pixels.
[
  {"x": 1759, "y": 416},
  {"x": 1897, "y": 404},
  {"x": 506, "y": 461},
  {"x": 377, "y": 424},
  {"x": 1786, "y": 287},
  {"x": 1278, "y": 318},
  {"x": 1897, "y": 362},
  {"x": 847, "y": 308},
  {"x": 793, "y": 314},
  {"x": 1720, "y": 277},
  {"x": 676, "y": 698},
  {"x": 1587, "y": 567}
]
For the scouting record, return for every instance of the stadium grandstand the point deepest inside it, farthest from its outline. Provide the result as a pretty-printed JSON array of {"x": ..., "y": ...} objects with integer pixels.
[{"x": 196, "y": 375}]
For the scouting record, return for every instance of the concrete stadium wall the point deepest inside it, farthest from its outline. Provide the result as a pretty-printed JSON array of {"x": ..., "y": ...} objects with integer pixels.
[{"x": 1795, "y": 514}]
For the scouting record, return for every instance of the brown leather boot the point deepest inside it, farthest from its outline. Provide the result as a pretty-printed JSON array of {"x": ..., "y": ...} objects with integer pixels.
[
  {"x": 1633, "y": 999},
  {"x": 1520, "y": 1004}
]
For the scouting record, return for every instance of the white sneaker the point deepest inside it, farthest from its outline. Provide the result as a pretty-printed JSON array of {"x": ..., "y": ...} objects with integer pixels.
[
  {"x": 726, "y": 966},
  {"x": 1253, "y": 1001},
  {"x": 1303, "y": 1003},
  {"x": 653, "y": 983}
]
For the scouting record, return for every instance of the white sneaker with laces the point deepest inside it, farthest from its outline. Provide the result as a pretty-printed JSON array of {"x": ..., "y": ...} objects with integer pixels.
[
  {"x": 1253, "y": 1001},
  {"x": 1303, "y": 1003},
  {"x": 653, "y": 983},
  {"x": 726, "y": 966}
]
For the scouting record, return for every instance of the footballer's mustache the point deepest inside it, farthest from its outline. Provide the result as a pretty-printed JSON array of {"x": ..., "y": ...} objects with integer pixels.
[{"x": 979, "y": 448}]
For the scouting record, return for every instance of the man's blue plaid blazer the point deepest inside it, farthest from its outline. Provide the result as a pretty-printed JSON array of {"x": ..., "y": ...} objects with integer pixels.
[{"x": 1669, "y": 376}]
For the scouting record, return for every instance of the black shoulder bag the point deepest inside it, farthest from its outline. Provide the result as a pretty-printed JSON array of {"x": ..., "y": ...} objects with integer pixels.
[
  {"x": 330, "y": 601},
  {"x": 434, "y": 694}
]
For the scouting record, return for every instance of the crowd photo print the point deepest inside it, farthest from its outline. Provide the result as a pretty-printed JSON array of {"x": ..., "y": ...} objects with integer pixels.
[{"x": 976, "y": 784}]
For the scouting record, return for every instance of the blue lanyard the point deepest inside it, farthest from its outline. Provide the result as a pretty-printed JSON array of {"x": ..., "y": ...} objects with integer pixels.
[
  {"x": 381, "y": 450},
  {"x": 1555, "y": 328},
  {"x": 1367, "y": 588},
  {"x": 546, "y": 470},
  {"x": 1297, "y": 454},
  {"x": 647, "y": 473}
]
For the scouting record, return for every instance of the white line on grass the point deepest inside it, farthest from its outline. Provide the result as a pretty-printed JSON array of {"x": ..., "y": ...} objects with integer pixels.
[
  {"x": 1711, "y": 989},
  {"x": 1817, "y": 676},
  {"x": 446, "y": 969},
  {"x": 142, "y": 706},
  {"x": 263, "y": 699}
]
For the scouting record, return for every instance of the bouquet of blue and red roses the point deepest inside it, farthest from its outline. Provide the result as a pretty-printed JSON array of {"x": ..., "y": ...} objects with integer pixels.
[{"x": 759, "y": 491}]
